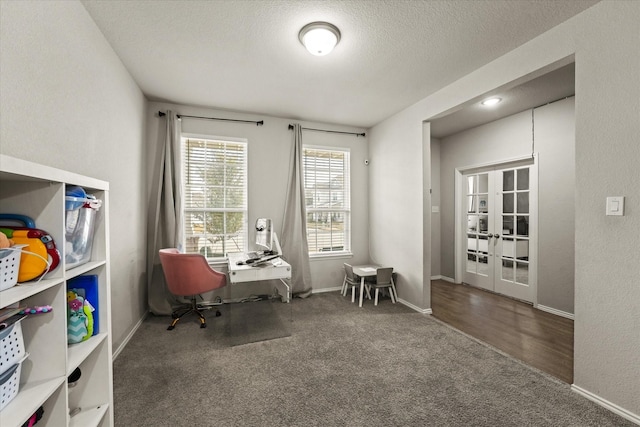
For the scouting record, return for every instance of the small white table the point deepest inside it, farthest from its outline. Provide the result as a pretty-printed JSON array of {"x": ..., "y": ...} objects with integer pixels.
[
  {"x": 363, "y": 271},
  {"x": 275, "y": 269}
]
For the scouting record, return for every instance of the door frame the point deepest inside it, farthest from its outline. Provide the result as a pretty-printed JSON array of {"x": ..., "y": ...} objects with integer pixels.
[{"x": 460, "y": 234}]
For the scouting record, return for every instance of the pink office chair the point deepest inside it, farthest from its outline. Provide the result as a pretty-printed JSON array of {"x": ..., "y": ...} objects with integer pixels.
[{"x": 189, "y": 275}]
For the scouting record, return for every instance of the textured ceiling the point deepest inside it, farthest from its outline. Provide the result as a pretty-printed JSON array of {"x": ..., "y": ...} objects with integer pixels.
[{"x": 245, "y": 55}]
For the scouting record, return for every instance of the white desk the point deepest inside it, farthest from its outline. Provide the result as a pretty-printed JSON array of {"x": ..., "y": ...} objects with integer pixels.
[{"x": 275, "y": 269}]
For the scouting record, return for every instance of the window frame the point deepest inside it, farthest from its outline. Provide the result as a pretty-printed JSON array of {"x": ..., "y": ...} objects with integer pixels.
[
  {"x": 346, "y": 210},
  {"x": 244, "y": 230}
]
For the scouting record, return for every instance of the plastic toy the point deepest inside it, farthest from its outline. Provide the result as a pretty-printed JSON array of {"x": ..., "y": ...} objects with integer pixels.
[
  {"x": 38, "y": 309},
  {"x": 5, "y": 242}
]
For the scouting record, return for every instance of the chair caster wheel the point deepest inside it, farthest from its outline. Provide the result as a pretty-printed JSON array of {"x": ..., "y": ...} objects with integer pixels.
[
  {"x": 218, "y": 314},
  {"x": 203, "y": 325},
  {"x": 170, "y": 328}
]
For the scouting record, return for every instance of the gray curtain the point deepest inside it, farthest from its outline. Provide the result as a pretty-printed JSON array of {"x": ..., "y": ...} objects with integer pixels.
[
  {"x": 165, "y": 220},
  {"x": 294, "y": 225}
]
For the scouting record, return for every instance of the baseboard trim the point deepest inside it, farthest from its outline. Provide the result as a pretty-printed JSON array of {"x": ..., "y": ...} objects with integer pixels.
[
  {"x": 445, "y": 278},
  {"x": 555, "y": 311},
  {"x": 634, "y": 418},
  {"x": 126, "y": 340},
  {"x": 323, "y": 290},
  {"x": 414, "y": 307}
]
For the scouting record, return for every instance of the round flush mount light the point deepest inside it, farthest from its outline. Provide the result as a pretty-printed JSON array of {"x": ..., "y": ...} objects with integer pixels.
[
  {"x": 319, "y": 37},
  {"x": 491, "y": 102}
]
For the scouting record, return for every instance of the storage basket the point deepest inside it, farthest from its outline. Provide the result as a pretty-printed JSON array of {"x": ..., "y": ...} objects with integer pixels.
[
  {"x": 11, "y": 344},
  {"x": 10, "y": 384},
  {"x": 9, "y": 266},
  {"x": 80, "y": 220}
]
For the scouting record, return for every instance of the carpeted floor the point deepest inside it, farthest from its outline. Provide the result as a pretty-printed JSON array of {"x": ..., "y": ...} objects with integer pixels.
[{"x": 334, "y": 364}]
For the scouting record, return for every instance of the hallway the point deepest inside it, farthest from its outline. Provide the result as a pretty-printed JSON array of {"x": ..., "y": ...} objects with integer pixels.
[{"x": 538, "y": 338}]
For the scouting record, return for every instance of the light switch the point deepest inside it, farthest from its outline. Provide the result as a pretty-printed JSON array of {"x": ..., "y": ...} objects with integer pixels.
[{"x": 615, "y": 205}]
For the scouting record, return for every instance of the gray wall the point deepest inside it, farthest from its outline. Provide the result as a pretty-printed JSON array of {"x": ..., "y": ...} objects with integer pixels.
[
  {"x": 510, "y": 138},
  {"x": 68, "y": 102},
  {"x": 607, "y": 61},
  {"x": 269, "y": 148}
]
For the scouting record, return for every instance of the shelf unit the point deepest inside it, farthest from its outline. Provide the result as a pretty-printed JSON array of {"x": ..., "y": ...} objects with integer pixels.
[{"x": 39, "y": 192}]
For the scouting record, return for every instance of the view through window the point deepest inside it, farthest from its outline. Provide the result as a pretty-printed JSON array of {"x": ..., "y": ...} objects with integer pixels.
[
  {"x": 215, "y": 196},
  {"x": 328, "y": 200}
]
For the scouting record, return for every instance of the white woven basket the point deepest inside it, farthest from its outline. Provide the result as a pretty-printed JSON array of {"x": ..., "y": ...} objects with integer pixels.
[{"x": 9, "y": 266}]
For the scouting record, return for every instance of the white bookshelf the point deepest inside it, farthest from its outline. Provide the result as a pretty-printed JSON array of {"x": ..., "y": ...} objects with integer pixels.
[{"x": 38, "y": 191}]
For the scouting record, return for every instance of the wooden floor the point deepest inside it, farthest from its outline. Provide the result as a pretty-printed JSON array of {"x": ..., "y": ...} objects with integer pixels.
[{"x": 538, "y": 338}]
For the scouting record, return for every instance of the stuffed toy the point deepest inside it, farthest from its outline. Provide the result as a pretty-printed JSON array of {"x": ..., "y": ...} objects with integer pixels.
[
  {"x": 5, "y": 242},
  {"x": 79, "y": 317}
]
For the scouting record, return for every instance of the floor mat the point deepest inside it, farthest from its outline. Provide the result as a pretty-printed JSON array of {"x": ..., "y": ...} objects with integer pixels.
[{"x": 254, "y": 321}]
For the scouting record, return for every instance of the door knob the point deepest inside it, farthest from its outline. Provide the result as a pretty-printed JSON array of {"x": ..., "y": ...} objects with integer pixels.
[
  {"x": 497, "y": 236},
  {"x": 490, "y": 235}
]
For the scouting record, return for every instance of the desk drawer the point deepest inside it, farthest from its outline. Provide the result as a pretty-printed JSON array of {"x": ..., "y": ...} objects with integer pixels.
[{"x": 252, "y": 274}]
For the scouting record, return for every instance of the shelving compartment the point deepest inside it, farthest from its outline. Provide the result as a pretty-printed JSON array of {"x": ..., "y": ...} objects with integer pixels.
[
  {"x": 88, "y": 398},
  {"x": 38, "y": 192}
]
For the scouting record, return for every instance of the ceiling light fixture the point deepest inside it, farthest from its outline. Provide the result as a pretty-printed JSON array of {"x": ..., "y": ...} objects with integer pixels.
[
  {"x": 491, "y": 102},
  {"x": 319, "y": 37}
]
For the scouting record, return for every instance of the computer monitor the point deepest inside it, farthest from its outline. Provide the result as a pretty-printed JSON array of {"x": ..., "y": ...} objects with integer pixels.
[
  {"x": 266, "y": 238},
  {"x": 264, "y": 234}
]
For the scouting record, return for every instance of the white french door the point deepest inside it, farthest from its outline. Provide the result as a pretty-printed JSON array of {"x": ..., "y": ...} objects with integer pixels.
[{"x": 500, "y": 238}]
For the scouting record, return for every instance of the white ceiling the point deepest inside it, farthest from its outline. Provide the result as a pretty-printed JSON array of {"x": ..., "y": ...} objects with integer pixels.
[{"x": 244, "y": 55}]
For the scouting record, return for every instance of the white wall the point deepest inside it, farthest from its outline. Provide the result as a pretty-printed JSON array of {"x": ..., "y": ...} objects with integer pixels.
[
  {"x": 511, "y": 138},
  {"x": 268, "y": 171},
  {"x": 68, "y": 102},
  {"x": 396, "y": 205},
  {"x": 607, "y": 59},
  {"x": 436, "y": 232}
]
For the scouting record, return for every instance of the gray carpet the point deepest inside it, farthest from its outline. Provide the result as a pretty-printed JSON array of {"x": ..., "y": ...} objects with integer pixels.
[{"x": 341, "y": 366}]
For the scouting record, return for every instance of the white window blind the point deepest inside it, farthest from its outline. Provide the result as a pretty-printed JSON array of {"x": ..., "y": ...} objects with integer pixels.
[
  {"x": 215, "y": 196},
  {"x": 328, "y": 200}
]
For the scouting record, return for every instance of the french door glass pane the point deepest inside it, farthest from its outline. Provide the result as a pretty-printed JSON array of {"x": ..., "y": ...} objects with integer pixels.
[
  {"x": 522, "y": 273},
  {"x": 472, "y": 186},
  {"x": 471, "y": 204},
  {"x": 483, "y": 206},
  {"x": 483, "y": 265},
  {"x": 471, "y": 263},
  {"x": 523, "y": 179},
  {"x": 483, "y": 244},
  {"x": 523, "y": 226},
  {"x": 472, "y": 244},
  {"x": 507, "y": 180},
  {"x": 483, "y": 183},
  {"x": 507, "y": 270},
  {"x": 522, "y": 249},
  {"x": 523, "y": 202},
  {"x": 507, "y": 225},
  {"x": 507, "y": 203},
  {"x": 472, "y": 223},
  {"x": 507, "y": 248},
  {"x": 483, "y": 227}
]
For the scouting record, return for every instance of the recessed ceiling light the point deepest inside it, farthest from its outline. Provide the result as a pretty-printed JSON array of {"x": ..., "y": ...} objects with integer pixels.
[
  {"x": 319, "y": 37},
  {"x": 491, "y": 102}
]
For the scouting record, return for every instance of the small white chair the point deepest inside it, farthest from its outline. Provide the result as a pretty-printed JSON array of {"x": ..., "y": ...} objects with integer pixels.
[
  {"x": 350, "y": 279},
  {"x": 384, "y": 280}
]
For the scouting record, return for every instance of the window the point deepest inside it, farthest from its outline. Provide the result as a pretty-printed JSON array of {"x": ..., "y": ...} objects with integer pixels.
[
  {"x": 328, "y": 200},
  {"x": 215, "y": 196}
]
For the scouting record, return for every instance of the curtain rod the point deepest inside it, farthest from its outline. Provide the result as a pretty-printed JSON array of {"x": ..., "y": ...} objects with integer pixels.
[
  {"x": 258, "y": 123},
  {"x": 332, "y": 131}
]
